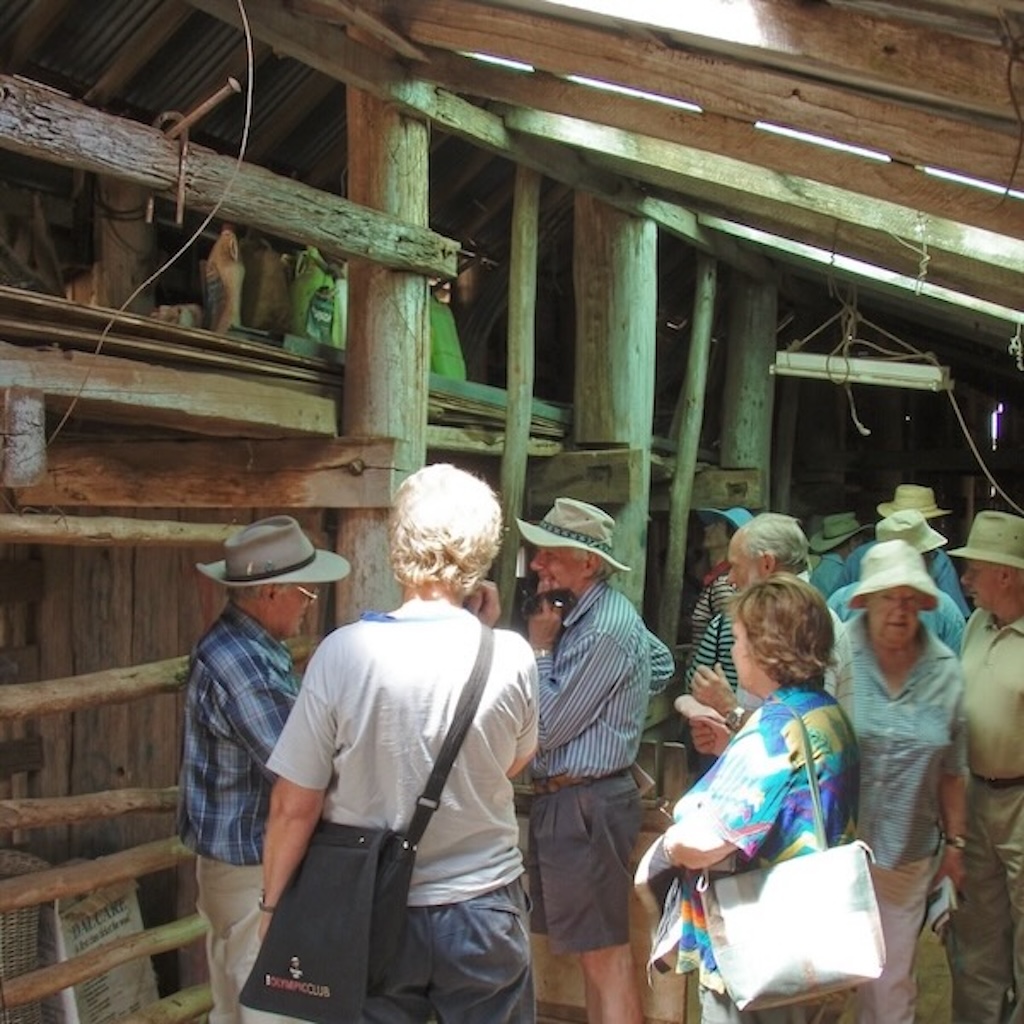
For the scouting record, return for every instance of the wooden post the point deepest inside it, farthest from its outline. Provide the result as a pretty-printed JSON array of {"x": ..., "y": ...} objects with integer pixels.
[
  {"x": 522, "y": 307},
  {"x": 125, "y": 245},
  {"x": 785, "y": 445},
  {"x": 388, "y": 351},
  {"x": 690, "y": 416},
  {"x": 615, "y": 279},
  {"x": 22, "y": 437},
  {"x": 749, "y": 388}
]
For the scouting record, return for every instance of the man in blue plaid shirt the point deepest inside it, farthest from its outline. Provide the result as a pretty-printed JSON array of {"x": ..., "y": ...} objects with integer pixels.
[{"x": 241, "y": 688}]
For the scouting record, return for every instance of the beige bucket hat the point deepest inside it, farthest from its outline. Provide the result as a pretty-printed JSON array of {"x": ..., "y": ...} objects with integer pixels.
[
  {"x": 274, "y": 550},
  {"x": 911, "y": 526},
  {"x": 574, "y": 524},
  {"x": 835, "y": 529},
  {"x": 995, "y": 537},
  {"x": 913, "y": 496},
  {"x": 894, "y": 563}
]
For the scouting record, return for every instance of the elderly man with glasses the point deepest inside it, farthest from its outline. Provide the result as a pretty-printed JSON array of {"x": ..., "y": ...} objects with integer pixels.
[{"x": 241, "y": 688}]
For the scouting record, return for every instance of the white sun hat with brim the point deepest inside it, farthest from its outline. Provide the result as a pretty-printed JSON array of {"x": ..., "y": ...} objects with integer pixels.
[
  {"x": 890, "y": 564},
  {"x": 570, "y": 523},
  {"x": 911, "y": 526},
  {"x": 913, "y": 496},
  {"x": 274, "y": 550},
  {"x": 995, "y": 537}
]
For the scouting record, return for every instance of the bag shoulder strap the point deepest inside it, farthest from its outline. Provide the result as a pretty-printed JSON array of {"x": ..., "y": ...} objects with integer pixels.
[
  {"x": 465, "y": 711},
  {"x": 812, "y": 778}
]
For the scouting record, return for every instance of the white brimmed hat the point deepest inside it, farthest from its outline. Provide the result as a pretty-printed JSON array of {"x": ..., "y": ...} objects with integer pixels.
[
  {"x": 911, "y": 526},
  {"x": 995, "y": 537},
  {"x": 274, "y": 550},
  {"x": 574, "y": 524},
  {"x": 894, "y": 563},
  {"x": 835, "y": 529},
  {"x": 913, "y": 496}
]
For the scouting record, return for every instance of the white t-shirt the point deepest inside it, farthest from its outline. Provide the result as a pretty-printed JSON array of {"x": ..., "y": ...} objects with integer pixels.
[{"x": 375, "y": 705}]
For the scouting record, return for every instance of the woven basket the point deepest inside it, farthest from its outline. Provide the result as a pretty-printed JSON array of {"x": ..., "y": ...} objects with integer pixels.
[{"x": 19, "y": 937}]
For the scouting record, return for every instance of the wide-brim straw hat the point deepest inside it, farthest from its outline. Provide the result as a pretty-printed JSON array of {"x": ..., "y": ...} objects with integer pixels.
[
  {"x": 911, "y": 526},
  {"x": 274, "y": 550},
  {"x": 995, "y": 537},
  {"x": 574, "y": 524},
  {"x": 835, "y": 529},
  {"x": 890, "y": 564},
  {"x": 736, "y": 516},
  {"x": 913, "y": 496}
]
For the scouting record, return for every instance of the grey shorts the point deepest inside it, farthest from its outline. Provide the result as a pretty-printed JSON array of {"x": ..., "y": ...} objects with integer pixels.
[{"x": 580, "y": 846}]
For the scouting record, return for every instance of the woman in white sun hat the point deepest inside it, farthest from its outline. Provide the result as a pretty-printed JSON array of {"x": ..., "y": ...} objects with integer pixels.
[{"x": 909, "y": 719}]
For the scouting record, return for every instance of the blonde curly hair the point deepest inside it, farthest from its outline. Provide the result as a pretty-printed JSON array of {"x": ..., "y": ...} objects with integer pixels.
[{"x": 445, "y": 527}]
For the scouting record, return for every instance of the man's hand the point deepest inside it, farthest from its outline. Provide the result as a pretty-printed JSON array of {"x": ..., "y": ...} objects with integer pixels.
[
  {"x": 485, "y": 603},
  {"x": 709, "y": 736},
  {"x": 710, "y": 687},
  {"x": 952, "y": 865}
]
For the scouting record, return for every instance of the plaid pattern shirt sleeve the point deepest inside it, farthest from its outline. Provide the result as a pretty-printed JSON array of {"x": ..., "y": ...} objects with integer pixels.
[{"x": 241, "y": 689}]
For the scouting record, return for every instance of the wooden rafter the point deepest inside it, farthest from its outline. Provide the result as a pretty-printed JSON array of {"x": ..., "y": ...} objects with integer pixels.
[{"x": 341, "y": 12}]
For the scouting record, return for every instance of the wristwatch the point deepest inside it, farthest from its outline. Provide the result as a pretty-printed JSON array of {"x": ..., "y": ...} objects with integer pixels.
[
  {"x": 734, "y": 719},
  {"x": 957, "y": 842}
]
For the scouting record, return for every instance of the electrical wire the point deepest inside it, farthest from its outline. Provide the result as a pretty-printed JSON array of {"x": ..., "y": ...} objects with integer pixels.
[{"x": 195, "y": 236}]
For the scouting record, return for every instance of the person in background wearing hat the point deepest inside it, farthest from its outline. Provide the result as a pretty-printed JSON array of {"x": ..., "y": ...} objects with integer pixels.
[
  {"x": 719, "y": 526},
  {"x": 598, "y": 668},
  {"x": 987, "y": 947},
  {"x": 377, "y": 701},
  {"x": 908, "y": 716},
  {"x": 241, "y": 689},
  {"x": 839, "y": 535},
  {"x": 770, "y": 543},
  {"x": 944, "y": 621},
  {"x": 940, "y": 567}
]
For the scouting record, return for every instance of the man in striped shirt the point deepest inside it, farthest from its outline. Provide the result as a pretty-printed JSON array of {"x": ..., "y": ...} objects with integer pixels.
[{"x": 598, "y": 665}]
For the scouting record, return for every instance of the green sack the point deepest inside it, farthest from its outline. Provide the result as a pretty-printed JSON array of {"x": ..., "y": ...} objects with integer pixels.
[
  {"x": 318, "y": 300},
  {"x": 445, "y": 351}
]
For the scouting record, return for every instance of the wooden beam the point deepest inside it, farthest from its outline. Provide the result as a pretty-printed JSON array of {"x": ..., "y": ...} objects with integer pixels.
[
  {"x": 187, "y": 1005},
  {"x": 24, "y": 754},
  {"x": 109, "y": 531},
  {"x": 604, "y": 476},
  {"x": 340, "y": 473},
  {"x": 742, "y": 187},
  {"x": 341, "y": 12},
  {"x": 39, "y": 22},
  {"x": 46, "y": 125},
  {"x": 715, "y": 488},
  {"x": 795, "y": 161},
  {"x": 886, "y": 55},
  {"x": 127, "y": 391},
  {"x": 744, "y": 92}
]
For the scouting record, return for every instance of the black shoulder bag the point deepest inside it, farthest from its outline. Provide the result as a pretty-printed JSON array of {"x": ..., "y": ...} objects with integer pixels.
[{"x": 340, "y": 921}]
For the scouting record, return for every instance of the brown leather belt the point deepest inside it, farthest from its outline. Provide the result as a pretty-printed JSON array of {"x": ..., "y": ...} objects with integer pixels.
[
  {"x": 554, "y": 783},
  {"x": 1017, "y": 780}
]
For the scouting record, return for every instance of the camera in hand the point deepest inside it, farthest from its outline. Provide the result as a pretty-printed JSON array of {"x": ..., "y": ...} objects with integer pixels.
[{"x": 561, "y": 600}]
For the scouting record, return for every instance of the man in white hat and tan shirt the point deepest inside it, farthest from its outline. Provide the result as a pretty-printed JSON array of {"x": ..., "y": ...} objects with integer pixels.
[
  {"x": 920, "y": 499},
  {"x": 598, "y": 666},
  {"x": 987, "y": 950},
  {"x": 241, "y": 688}
]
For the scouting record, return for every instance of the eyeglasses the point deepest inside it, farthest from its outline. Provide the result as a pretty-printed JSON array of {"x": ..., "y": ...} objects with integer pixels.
[{"x": 310, "y": 595}]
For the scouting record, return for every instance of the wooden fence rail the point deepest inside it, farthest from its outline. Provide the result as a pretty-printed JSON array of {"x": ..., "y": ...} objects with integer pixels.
[
  {"x": 46, "y": 981},
  {"x": 186, "y": 1005},
  {"x": 42, "y": 812}
]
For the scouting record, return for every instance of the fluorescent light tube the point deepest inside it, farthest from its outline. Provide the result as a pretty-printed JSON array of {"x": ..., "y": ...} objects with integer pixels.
[{"x": 844, "y": 370}]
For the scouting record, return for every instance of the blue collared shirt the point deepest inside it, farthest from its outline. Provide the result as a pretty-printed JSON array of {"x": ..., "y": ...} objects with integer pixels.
[
  {"x": 595, "y": 688},
  {"x": 241, "y": 687}
]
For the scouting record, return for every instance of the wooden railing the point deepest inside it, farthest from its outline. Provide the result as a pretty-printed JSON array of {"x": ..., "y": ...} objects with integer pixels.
[{"x": 34, "y": 700}]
